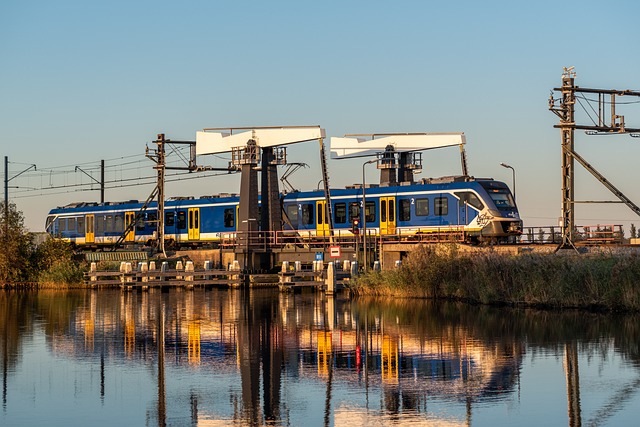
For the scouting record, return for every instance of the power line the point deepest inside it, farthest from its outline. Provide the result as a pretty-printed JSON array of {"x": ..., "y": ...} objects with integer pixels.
[
  {"x": 609, "y": 102},
  {"x": 150, "y": 181},
  {"x": 65, "y": 177}
]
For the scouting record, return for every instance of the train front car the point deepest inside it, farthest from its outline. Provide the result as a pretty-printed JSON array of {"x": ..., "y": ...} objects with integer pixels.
[
  {"x": 499, "y": 221},
  {"x": 68, "y": 223},
  {"x": 90, "y": 225}
]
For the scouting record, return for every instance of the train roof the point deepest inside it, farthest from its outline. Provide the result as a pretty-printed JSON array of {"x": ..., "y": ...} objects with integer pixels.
[{"x": 443, "y": 183}]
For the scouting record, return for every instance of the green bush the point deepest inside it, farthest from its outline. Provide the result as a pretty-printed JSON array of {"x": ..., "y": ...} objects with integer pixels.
[
  {"x": 16, "y": 245},
  {"x": 55, "y": 264},
  {"x": 51, "y": 263}
]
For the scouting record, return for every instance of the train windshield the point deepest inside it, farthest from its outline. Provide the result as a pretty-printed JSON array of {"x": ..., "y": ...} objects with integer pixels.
[
  {"x": 49, "y": 224},
  {"x": 502, "y": 199}
]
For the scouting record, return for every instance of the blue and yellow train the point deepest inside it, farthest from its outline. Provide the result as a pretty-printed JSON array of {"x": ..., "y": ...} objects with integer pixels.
[{"x": 480, "y": 210}]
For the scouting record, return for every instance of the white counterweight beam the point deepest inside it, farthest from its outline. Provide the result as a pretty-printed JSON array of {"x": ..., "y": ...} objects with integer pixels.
[
  {"x": 357, "y": 146},
  {"x": 222, "y": 140}
]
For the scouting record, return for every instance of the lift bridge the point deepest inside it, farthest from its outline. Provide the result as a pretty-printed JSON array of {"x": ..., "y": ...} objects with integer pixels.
[{"x": 255, "y": 149}]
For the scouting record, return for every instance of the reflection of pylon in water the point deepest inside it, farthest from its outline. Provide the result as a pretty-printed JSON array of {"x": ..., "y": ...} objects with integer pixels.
[
  {"x": 89, "y": 331},
  {"x": 389, "y": 359},
  {"x": 129, "y": 335},
  {"x": 194, "y": 343},
  {"x": 573, "y": 383},
  {"x": 324, "y": 352}
]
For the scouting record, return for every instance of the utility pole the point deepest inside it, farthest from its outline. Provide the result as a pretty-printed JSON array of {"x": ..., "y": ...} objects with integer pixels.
[
  {"x": 567, "y": 134},
  {"x": 159, "y": 157},
  {"x": 102, "y": 182},
  {"x": 566, "y": 112},
  {"x": 6, "y": 191},
  {"x": 6, "y": 197},
  {"x": 160, "y": 167}
]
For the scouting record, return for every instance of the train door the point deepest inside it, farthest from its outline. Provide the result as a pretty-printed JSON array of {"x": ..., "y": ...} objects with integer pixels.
[
  {"x": 194, "y": 224},
  {"x": 387, "y": 215},
  {"x": 129, "y": 219},
  {"x": 322, "y": 222},
  {"x": 463, "y": 207},
  {"x": 89, "y": 229}
]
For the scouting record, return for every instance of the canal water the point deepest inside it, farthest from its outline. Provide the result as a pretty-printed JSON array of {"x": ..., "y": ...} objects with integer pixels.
[{"x": 215, "y": 358}]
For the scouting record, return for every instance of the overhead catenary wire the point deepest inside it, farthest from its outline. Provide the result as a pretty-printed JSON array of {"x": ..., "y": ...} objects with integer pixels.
[
  {"x": 150, "y": 181},
  {"x": 121, "y": 175},
  {"x": 585, "y": 110}
]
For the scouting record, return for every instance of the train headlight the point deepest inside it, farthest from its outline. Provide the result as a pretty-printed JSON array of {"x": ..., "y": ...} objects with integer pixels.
[{"x": 515, "y": 227}]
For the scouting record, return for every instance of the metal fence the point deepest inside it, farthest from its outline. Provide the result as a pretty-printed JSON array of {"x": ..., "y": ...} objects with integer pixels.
[{"x": 587, "y": 235}]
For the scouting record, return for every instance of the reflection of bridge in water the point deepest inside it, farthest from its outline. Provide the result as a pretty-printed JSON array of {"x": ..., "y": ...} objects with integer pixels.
[
  {"x": 265, "y": 338},
  {"x": 267, "y": 358}
]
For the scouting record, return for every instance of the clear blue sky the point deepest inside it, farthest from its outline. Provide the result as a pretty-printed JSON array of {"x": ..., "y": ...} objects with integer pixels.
[{"x": 82, "y": 81}]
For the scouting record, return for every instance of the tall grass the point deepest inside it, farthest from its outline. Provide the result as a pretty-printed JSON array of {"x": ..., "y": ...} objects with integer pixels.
[{"x": 601, "y": 281}]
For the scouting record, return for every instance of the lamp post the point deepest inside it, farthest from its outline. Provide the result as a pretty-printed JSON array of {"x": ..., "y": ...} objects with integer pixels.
[
  {"x": 363, "y": 214},
  {"x": 513, "y": 176}
]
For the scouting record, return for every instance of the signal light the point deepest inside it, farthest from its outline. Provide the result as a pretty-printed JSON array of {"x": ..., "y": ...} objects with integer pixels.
[{"x": 355, "y": 226}]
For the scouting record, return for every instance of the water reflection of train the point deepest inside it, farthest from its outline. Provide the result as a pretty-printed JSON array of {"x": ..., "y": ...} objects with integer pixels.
[
  {"x": 478, "y": 209},
  {"x": 312, "y": 344}
]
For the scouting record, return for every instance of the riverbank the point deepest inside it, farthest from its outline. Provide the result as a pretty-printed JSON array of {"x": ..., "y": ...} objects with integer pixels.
[{"x": 602, "y": 281}]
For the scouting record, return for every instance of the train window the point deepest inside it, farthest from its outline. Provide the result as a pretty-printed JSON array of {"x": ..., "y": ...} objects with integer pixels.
[
  {"x": 48, "y": 224},
  {"x": 370, "y": 212},
  {"x": 292, "y": 213},
  {"x": 383, "y": 210},
  {"x": 228, "y": 218},
  {"x": 80, "y": 225},
  {"x": 341, "y": 213},
  {"x": 62, "y": 225},
  {"x": 392, "y": 211},
  {"x": 354, "y": 211},
  {"x": 152, "y": 219},
  {"x": 405, "y": 210},
  {"x": 502, "y": 199},
  {"x": 307, "y": 213},
  {"x": 471, "y": 199},
  {"x": 320, "y": 216},
  {"x": 71, "y": 224},
  {"x": 99, "y": 224},
  {"x": 170, "y": 219},
  {"x": 182, "y": 219},
  {"x": 422, "y": 207},
  {"x": 140, "y": 223},
  {"x": 441, "y": 206},
  {"x": 109, "y": 224},
  {"x": 119, "y": 223}
]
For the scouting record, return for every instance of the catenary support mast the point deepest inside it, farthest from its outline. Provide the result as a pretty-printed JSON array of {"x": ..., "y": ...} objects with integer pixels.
[{"x": 566, "y": 112}]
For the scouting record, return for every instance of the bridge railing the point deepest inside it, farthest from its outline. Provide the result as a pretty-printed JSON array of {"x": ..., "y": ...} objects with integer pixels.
[
  {"x": 260, "y": 240},
  {"x": 585, "y": 235}
]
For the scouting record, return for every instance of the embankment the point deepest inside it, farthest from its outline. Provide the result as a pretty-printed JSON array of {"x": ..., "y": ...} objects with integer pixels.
[{"x": 603, "y": 281}]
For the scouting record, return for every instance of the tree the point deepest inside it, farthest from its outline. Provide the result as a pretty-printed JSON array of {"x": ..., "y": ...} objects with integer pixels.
[
  {"x": 17, "y": 245},
  {"x": 633, "y": 231}
]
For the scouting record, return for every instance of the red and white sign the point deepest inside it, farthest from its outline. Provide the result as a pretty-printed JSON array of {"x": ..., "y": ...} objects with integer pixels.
[{"x": 334, "y": 251}]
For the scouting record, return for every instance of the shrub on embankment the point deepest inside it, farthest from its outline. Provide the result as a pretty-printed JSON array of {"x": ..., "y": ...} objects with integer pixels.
[
  {"x": 50, "y": 264},
  {"x": 55, "y": 266},
  {"x": 599, "y": 281}
]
